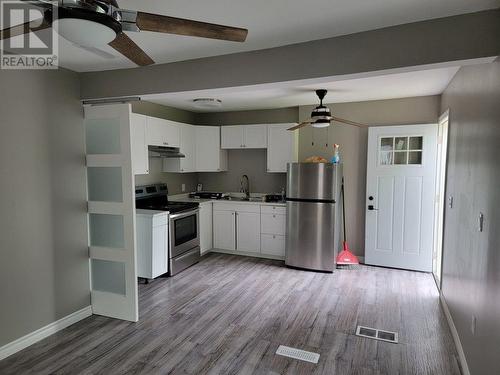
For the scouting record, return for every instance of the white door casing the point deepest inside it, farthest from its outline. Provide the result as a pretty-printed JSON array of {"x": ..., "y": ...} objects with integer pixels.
[
  {"x": 111, "y": 211},
  {"x": 401, "y": 169}
]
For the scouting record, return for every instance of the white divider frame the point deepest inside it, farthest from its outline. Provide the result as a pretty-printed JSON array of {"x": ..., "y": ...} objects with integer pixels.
[{"x": 106, "y": 303}]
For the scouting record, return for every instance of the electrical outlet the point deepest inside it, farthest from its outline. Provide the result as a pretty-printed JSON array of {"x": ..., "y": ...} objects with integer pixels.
[
  {"x": 473, "y": 324},
  {"x": 183, "y": 187}
]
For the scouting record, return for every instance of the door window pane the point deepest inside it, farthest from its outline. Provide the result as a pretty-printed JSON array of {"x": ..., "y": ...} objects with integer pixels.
[
  {"x": 415, "y": 157},
  {"x": 400, "y": 157},
  {"x": 401, "y": 143},
  {"x": 386, "y": 157},
  {"x": 386, "y": 144},
  {"x": 416, "y": 143}
]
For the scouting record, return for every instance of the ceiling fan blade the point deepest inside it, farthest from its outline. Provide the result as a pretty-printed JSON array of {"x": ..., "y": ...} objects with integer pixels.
[
  {"x": 24, "y": 28},
  {"x": 180, "y": 26},
  {"x": 349, "y": 122},
  {"x": 301, "y": 125},
  {"x": 129, "y": 49}
]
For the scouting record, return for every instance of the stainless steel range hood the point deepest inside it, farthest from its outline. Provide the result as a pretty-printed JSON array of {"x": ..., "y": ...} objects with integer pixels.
[{"x": 165, "y": 152}]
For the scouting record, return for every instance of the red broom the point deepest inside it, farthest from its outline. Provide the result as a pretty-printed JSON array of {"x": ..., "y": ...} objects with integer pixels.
[{"x": 346, "y": 259}]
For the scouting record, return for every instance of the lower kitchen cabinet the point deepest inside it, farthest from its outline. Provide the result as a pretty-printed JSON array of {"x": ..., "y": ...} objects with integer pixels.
[
  {"x": 206, "y": 233},
  {"x": 248, "y": 231},
  {"x": 273, "y": 225},
  {"x": 224, "y": 229},
  {"x": 250, "y": 228},
  {"x": 272, "y": 244},
  {"x": 152, "y": 244}
]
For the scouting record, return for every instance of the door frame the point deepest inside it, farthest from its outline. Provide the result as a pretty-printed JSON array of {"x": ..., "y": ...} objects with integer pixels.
[{"x": 440, "y": 196}]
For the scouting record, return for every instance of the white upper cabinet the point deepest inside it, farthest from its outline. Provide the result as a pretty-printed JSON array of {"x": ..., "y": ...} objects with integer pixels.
[
  {"x": 255, "y": 136},
  {"x": 232, "y": 136},
  {"x": 209, "y": 156},
  {"x": 163, "y": 132},
  {"x": 281, "y": 148},
  {"x": 139, "y": 146},
  {"x": 244, "y": 136},
  {"x": 188, "y": 148}
]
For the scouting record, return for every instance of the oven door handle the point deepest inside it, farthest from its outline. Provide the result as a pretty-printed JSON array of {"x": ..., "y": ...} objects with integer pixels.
[{"x": 184, "y": 214}]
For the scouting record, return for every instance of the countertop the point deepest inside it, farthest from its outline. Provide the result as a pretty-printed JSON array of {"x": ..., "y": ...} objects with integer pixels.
[
  {"x": 141, "y": 211},
  {"x": 185, "y": 198}
]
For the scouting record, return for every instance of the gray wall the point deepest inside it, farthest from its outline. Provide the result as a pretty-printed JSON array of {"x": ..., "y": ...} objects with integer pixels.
[
  {"x": 471, "y": 260},
  {"x": 353, "y": 146},
  {"x": 441, "y": 40},
  {"x": 44, "y": 273},
  {"x": 250, "y": 162},
  {"x": 174, "y": 180}
]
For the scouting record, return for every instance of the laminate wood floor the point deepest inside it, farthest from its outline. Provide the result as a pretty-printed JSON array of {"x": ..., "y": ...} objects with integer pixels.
[{"x": 229, "y": 314}]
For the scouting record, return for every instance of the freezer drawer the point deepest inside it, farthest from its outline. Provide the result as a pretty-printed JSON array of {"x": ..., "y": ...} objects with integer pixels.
[{"x": 310, "y": 236}]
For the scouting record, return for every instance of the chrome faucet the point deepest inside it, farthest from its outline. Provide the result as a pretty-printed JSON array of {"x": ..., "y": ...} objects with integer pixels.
[{"x": 245, "y": 186}]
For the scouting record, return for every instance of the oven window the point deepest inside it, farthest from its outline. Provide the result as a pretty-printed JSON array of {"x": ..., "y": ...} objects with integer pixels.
[{"x": 185, "y": 229}]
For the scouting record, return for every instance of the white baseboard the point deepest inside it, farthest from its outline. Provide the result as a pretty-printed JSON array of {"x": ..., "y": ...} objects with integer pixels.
[
  {"x": 35, "y": 336},
  {"x": 247, "y": 254},
  {"x": 454, "y": 333}
]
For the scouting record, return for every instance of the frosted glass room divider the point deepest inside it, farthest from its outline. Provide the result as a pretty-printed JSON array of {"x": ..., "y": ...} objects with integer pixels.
[{"x": 111, "y": 212}]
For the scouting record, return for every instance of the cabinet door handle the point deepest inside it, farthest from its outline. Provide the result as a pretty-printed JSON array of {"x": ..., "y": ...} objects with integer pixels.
[{"x": 235, "y": 231}]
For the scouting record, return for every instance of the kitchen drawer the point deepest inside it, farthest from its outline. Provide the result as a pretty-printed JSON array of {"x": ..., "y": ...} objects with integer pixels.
[
  {"x": 268, "y": 209},
  {"x": 272, "y": 244},
  {"x": 244, "y": 207},
  {"x": 272, "y": 223}
]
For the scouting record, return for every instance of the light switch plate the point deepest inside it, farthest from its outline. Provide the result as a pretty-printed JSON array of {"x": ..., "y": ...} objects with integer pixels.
[{"x": 183, "y": 187}]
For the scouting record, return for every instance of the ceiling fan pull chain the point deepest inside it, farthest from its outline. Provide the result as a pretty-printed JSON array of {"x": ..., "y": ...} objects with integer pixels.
[
  {"x": 312, "y": 137},
  {"x": 327, "y": 136}
]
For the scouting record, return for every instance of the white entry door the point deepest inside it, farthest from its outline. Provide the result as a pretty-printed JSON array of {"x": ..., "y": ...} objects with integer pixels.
[{"x": 400, "y": 191}]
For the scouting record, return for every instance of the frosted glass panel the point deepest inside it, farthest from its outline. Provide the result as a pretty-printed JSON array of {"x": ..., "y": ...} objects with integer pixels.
[
  {"x": 106, "y": 230},
  {"x": 108, "y": 276},
  {"x": 103, "y": 136},
  {"x": 105, "y": 184}
]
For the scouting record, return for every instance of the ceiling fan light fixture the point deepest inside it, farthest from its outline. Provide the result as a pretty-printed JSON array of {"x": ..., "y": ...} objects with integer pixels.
[
  {"x": 207, "y": 103},
  {"x": 84, "y": 32},
  {"x": 321, "y": 123}
]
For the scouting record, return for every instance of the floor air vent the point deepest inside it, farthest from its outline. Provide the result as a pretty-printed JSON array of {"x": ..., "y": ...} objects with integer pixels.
[
  {"x": 301, "y": 355},
  {"x": 377, "y": 334}
]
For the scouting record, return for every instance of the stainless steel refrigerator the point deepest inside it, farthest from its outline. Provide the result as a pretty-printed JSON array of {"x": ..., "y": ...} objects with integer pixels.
[{"x": 312, "y": 201}]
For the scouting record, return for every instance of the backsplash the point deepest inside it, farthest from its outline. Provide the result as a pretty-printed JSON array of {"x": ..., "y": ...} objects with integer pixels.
[
  {"x": 253, "y": 163},
  {"x": 174, "y": 180}
]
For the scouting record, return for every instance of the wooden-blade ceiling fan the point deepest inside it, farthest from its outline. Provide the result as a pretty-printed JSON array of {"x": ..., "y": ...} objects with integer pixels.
[
  {"x": 90, "y": 23},
  {"x": 321, "y": 116}
]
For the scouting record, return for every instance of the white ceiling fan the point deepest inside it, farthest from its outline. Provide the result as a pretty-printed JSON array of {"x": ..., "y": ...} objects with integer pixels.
[
  {"x": 321, "y": 116},
  {"x": 93, "y": 23}
]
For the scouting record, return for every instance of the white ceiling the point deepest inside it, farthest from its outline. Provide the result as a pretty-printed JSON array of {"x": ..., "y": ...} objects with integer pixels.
[
  {"x": 271, "y": 23},
  {"x": 288, "y": 94}
]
